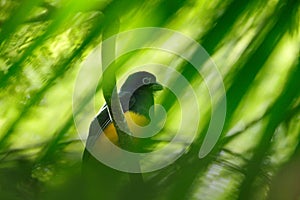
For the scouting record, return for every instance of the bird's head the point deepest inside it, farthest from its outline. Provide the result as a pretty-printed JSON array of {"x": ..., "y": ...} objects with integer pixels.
[{"x": 137, "y": 93}]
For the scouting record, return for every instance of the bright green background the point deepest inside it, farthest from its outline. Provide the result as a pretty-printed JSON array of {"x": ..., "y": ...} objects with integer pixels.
[{"x": 255, "y": 45}]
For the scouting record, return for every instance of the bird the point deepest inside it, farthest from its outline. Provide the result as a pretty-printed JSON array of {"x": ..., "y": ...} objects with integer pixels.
[{"x": 136, "y": 98}]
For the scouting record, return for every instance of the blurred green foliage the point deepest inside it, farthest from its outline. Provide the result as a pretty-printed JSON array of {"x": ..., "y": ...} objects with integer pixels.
[{"x": 255, "y": 45}]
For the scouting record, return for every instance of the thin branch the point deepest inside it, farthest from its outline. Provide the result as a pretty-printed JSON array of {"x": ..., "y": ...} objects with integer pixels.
[{"x": 110, "y": 93}]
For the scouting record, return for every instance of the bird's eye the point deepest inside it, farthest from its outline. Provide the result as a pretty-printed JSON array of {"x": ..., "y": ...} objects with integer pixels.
[{"x": 146, "y": 80}]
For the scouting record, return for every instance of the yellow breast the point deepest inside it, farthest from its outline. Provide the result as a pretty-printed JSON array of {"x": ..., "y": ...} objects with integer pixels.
[{"x": 134, "y": 121}]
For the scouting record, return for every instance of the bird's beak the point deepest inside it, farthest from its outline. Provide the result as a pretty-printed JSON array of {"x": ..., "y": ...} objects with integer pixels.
[{"x": 156, "y": 86}]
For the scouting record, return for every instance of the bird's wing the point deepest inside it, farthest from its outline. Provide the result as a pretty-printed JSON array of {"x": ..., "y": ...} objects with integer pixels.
[{"x": 100, "y": 122}]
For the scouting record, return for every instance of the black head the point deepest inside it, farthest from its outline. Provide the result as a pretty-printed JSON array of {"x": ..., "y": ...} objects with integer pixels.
[{"x": 136, "y": 93}]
